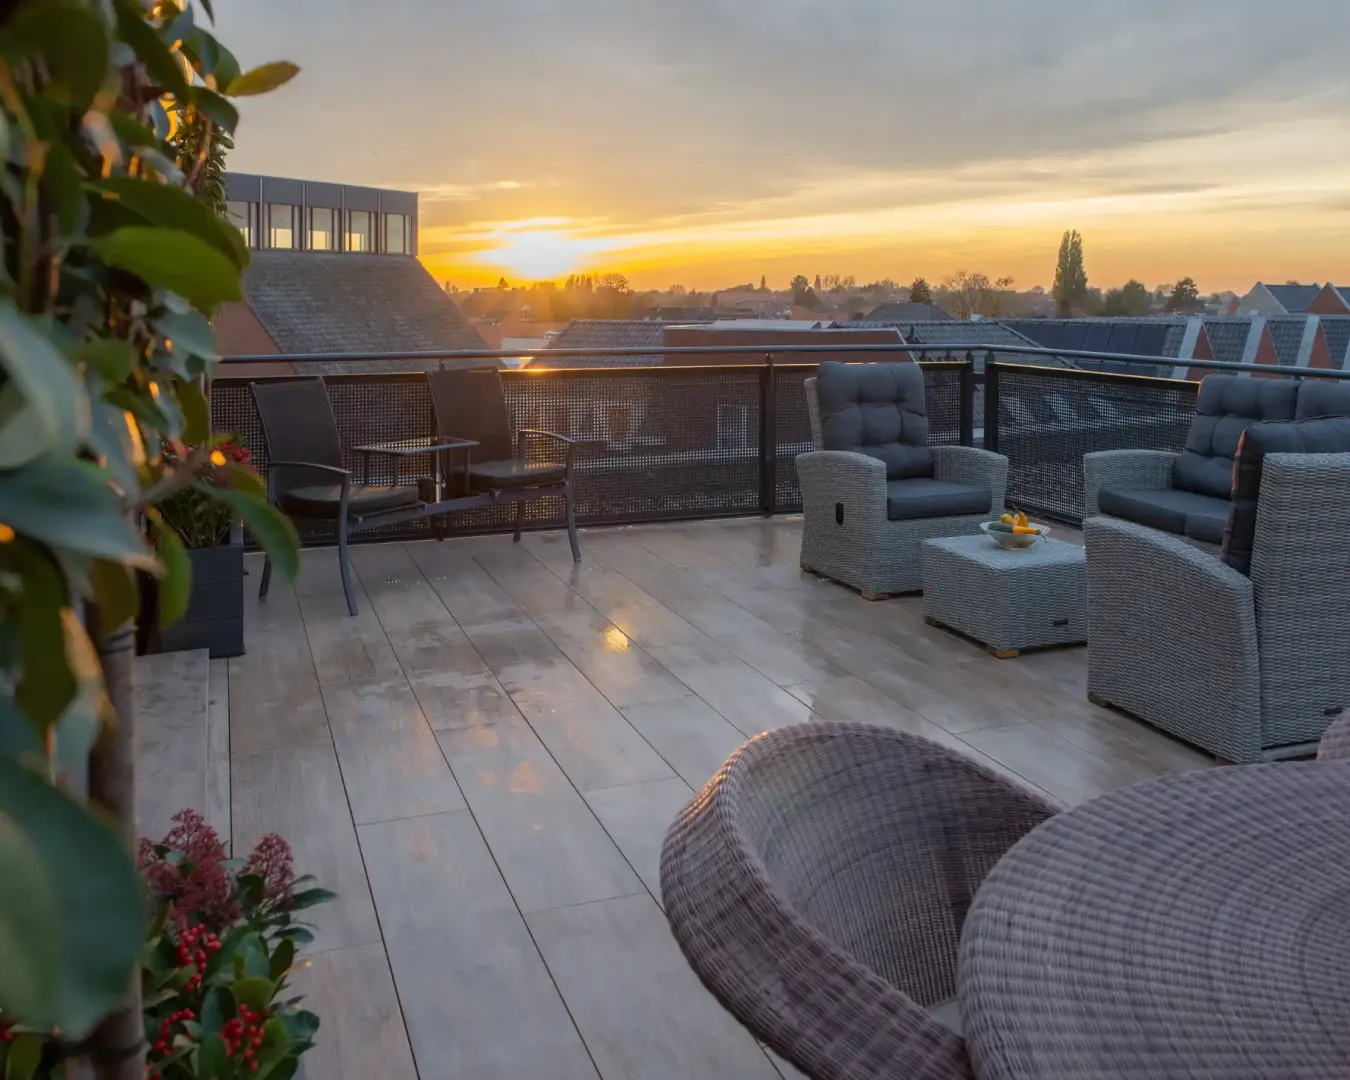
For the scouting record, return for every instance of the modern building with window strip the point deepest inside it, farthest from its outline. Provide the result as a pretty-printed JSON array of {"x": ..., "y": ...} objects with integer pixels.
[{"x": 280, "y": 214}]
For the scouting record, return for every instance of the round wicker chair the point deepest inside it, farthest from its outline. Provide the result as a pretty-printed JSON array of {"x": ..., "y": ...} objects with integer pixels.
[{"x": 818, "y": 886}]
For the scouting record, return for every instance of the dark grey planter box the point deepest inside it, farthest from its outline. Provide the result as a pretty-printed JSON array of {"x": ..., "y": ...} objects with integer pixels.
[{"x": 215, "y": 614}]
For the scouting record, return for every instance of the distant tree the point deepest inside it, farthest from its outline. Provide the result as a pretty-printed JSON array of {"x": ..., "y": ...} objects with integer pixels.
[
  {"x": 1132, "y": 298},
  {"x": 965, "y": 295},
  {"x": 763, "y": 283},
  {"x": 502, "y": 285},
  {"x": 677, "y": 290},
  {"x": 800, "y": 285},
  {"x": 920, "y": 292},
  {"x": 1071, "y": 283},
  {"x": 1185, "y": 297},
  {"x": 809, "y": 300},
  {"x": 615, "y": 283},
  {"x": 818, "y": 286}
]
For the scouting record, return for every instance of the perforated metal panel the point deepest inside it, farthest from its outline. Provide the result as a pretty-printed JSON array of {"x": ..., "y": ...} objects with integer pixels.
[
  {"x": 1047, "y": 419},
  {"x": 651, "y": 443}
]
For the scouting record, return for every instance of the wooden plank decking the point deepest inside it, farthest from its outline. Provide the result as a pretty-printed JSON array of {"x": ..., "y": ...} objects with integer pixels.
[{"x": 483, "y": 764}]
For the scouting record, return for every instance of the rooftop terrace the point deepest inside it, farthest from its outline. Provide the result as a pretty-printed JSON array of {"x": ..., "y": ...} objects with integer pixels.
[{"x": 484, "y": 762}]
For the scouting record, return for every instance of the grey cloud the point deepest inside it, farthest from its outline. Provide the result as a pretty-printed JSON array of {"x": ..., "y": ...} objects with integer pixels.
[{"x": 668, "y": 106}]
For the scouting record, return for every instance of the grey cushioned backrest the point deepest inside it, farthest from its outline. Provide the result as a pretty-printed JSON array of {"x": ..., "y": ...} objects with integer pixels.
[
  {"x": 877, "y": 410},
  {"x": 1224, "y": 408},
  {"x": 1318, "y": 398},
  {"x": 1328, "y": 435}
]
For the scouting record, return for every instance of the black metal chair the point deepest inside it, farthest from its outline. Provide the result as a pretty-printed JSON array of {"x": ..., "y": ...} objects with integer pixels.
[
  {"x": 305, "y": 477},
  {"x": 471, "y": 404}
]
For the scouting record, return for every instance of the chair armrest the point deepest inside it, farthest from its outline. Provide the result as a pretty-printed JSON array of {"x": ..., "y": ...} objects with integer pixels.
[
  {"x": 344, "y": 476},
  {"x": 535, "y": 433},
  {"x": 979, "y": 468},
  {"x": 833, "y": 476},
  {"x": 1172, "y": 636},
  {"x": 1335, "y": 744},
  {"x": 1147, "y": 469}
]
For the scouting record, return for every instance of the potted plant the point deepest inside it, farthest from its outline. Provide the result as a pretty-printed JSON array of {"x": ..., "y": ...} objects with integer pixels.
[{"x": 211, "y": 532}]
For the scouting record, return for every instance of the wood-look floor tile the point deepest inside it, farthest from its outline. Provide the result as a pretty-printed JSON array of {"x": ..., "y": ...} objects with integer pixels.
[
  {"x": 637, "y": 818},
  {"x": 391, "y": 764},
  {"x": 549, "y": 845},
  {"x": 361, "y": 1033},
  {"x": 646, "y": 1015},
  {"x": 748, "y": 700},
  {"x": 454, "y": 699},
  {"x": 476, "y": 996},
  {"x": 693, "y": 737},
  {"x": 298, "y": 793},
  {"x": 465, "y": 588},
  {"x": 1050, "y": 762}
]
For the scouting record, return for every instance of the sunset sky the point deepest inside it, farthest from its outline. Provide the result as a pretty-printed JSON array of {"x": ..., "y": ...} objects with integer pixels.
[{"x": 708, "y": 142}]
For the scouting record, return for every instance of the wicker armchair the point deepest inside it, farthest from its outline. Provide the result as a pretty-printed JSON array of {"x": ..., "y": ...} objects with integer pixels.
[
  {"x": 818, "y": 886},
  {"x": 851, "y": 531},
  {"x": 1247, "y": 665}
]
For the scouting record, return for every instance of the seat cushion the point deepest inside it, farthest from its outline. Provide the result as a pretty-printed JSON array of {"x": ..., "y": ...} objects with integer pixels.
[
  {"x": 323, "y": 500},
  {"x": 1201, "y": 517},
  {"x": 1318, "y": 397},
  {"x": 1328, "y": 435},
  {"x": 924, "y": 497},
  {"x": 501, "y": 475},
  {"x": 1224, "y": 408},
  {"x": 878, "y": 410}
]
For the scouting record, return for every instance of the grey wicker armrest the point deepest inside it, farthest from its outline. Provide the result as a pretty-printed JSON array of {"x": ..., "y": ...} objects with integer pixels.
[
  {"x": 1172, "y": 634},
  {"x": 1149, "y": 469},
  {"x": 818, "y": 886},
  {"x": 832, "y": 476},
  {"x": 1335, "y": 744},
  {"x": 970, "y": 465}
]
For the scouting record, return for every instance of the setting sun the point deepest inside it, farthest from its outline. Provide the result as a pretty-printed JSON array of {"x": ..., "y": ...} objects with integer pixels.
[{"x": 538, "y": 254}]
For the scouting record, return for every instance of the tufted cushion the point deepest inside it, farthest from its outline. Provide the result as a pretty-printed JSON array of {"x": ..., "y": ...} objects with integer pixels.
[
  {"x": 877, "y": 410},
  {"x": 1319, "y": 398},
  {"x": 1224, "y": 408},
  {"x": 1328, "y": 435}
]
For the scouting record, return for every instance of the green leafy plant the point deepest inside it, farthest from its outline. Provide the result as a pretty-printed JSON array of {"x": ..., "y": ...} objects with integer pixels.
[
  {"x": 199, "y": 517},
  {"x": 215, "y": 965},
  {"x": 111, "y": 266}
]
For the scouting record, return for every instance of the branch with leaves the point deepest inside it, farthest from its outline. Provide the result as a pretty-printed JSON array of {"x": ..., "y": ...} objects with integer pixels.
[{"x": 114, "y": 258}]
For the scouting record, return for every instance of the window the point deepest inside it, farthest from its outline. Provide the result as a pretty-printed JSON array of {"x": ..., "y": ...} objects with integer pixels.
[
  {"x": 359, "y": 231},
  {"x": 281, "y": 230},
  {"x": 396, "y": 234},
  {"x": 322, "y": 229},
  {"x": 241, "y": 217}
]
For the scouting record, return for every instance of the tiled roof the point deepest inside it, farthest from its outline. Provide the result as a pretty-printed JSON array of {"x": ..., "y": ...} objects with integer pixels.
[
  {"x": 1132, "y": 337},
  {"x": 1228, "y": 337},
  {"x": 346, "y": 303},
  {"x": 606, "y": 334},
  {"x": 906, "y": 311},
  {"x": 1286, "y": 332},
  {"x": 1337, "y": 330},
  {"x": 1295, "y": 298}
]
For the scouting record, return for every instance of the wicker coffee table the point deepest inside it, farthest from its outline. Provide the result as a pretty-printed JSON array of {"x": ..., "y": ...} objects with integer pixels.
[
  {"x": 1192, "y": 926},
  {"x": 1007, "y": 600}
]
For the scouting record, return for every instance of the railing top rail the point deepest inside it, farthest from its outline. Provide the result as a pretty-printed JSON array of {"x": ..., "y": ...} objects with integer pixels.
[{"x": 777, "y": 350}]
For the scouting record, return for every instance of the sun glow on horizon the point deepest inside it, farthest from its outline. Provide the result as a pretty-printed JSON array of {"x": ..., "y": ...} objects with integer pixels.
[{"x": 538, "y": 254}]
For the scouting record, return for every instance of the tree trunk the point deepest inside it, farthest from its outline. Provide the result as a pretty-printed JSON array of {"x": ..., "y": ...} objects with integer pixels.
[{"x": 117, "y": 1050}]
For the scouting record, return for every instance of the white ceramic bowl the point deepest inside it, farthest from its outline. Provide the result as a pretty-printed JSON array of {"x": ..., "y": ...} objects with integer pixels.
[{"x": 1015, "y": 541}]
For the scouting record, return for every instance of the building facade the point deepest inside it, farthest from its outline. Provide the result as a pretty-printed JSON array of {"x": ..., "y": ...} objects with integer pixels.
[{"x": 280, "y": 214}]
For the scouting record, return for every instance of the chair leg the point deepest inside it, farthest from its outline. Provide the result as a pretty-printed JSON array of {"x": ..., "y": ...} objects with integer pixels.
[
  {"x": 520, "y": 519},
  {"x": 571, "y": 523},
  {"x": 266, "y": 577},
  {"x": 343, "y": 567}
]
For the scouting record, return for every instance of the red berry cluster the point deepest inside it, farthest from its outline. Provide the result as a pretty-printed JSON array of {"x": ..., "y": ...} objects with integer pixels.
[
  {"x": 6, "y": 1035},
  {"x": 164, "y": 1043},
  {"x": 244, "y": 1033},
  {"x": 194, "y": 946}
]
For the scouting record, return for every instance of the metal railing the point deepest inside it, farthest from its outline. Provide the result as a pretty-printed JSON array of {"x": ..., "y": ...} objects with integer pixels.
[{"x": 710, "y": 440}]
